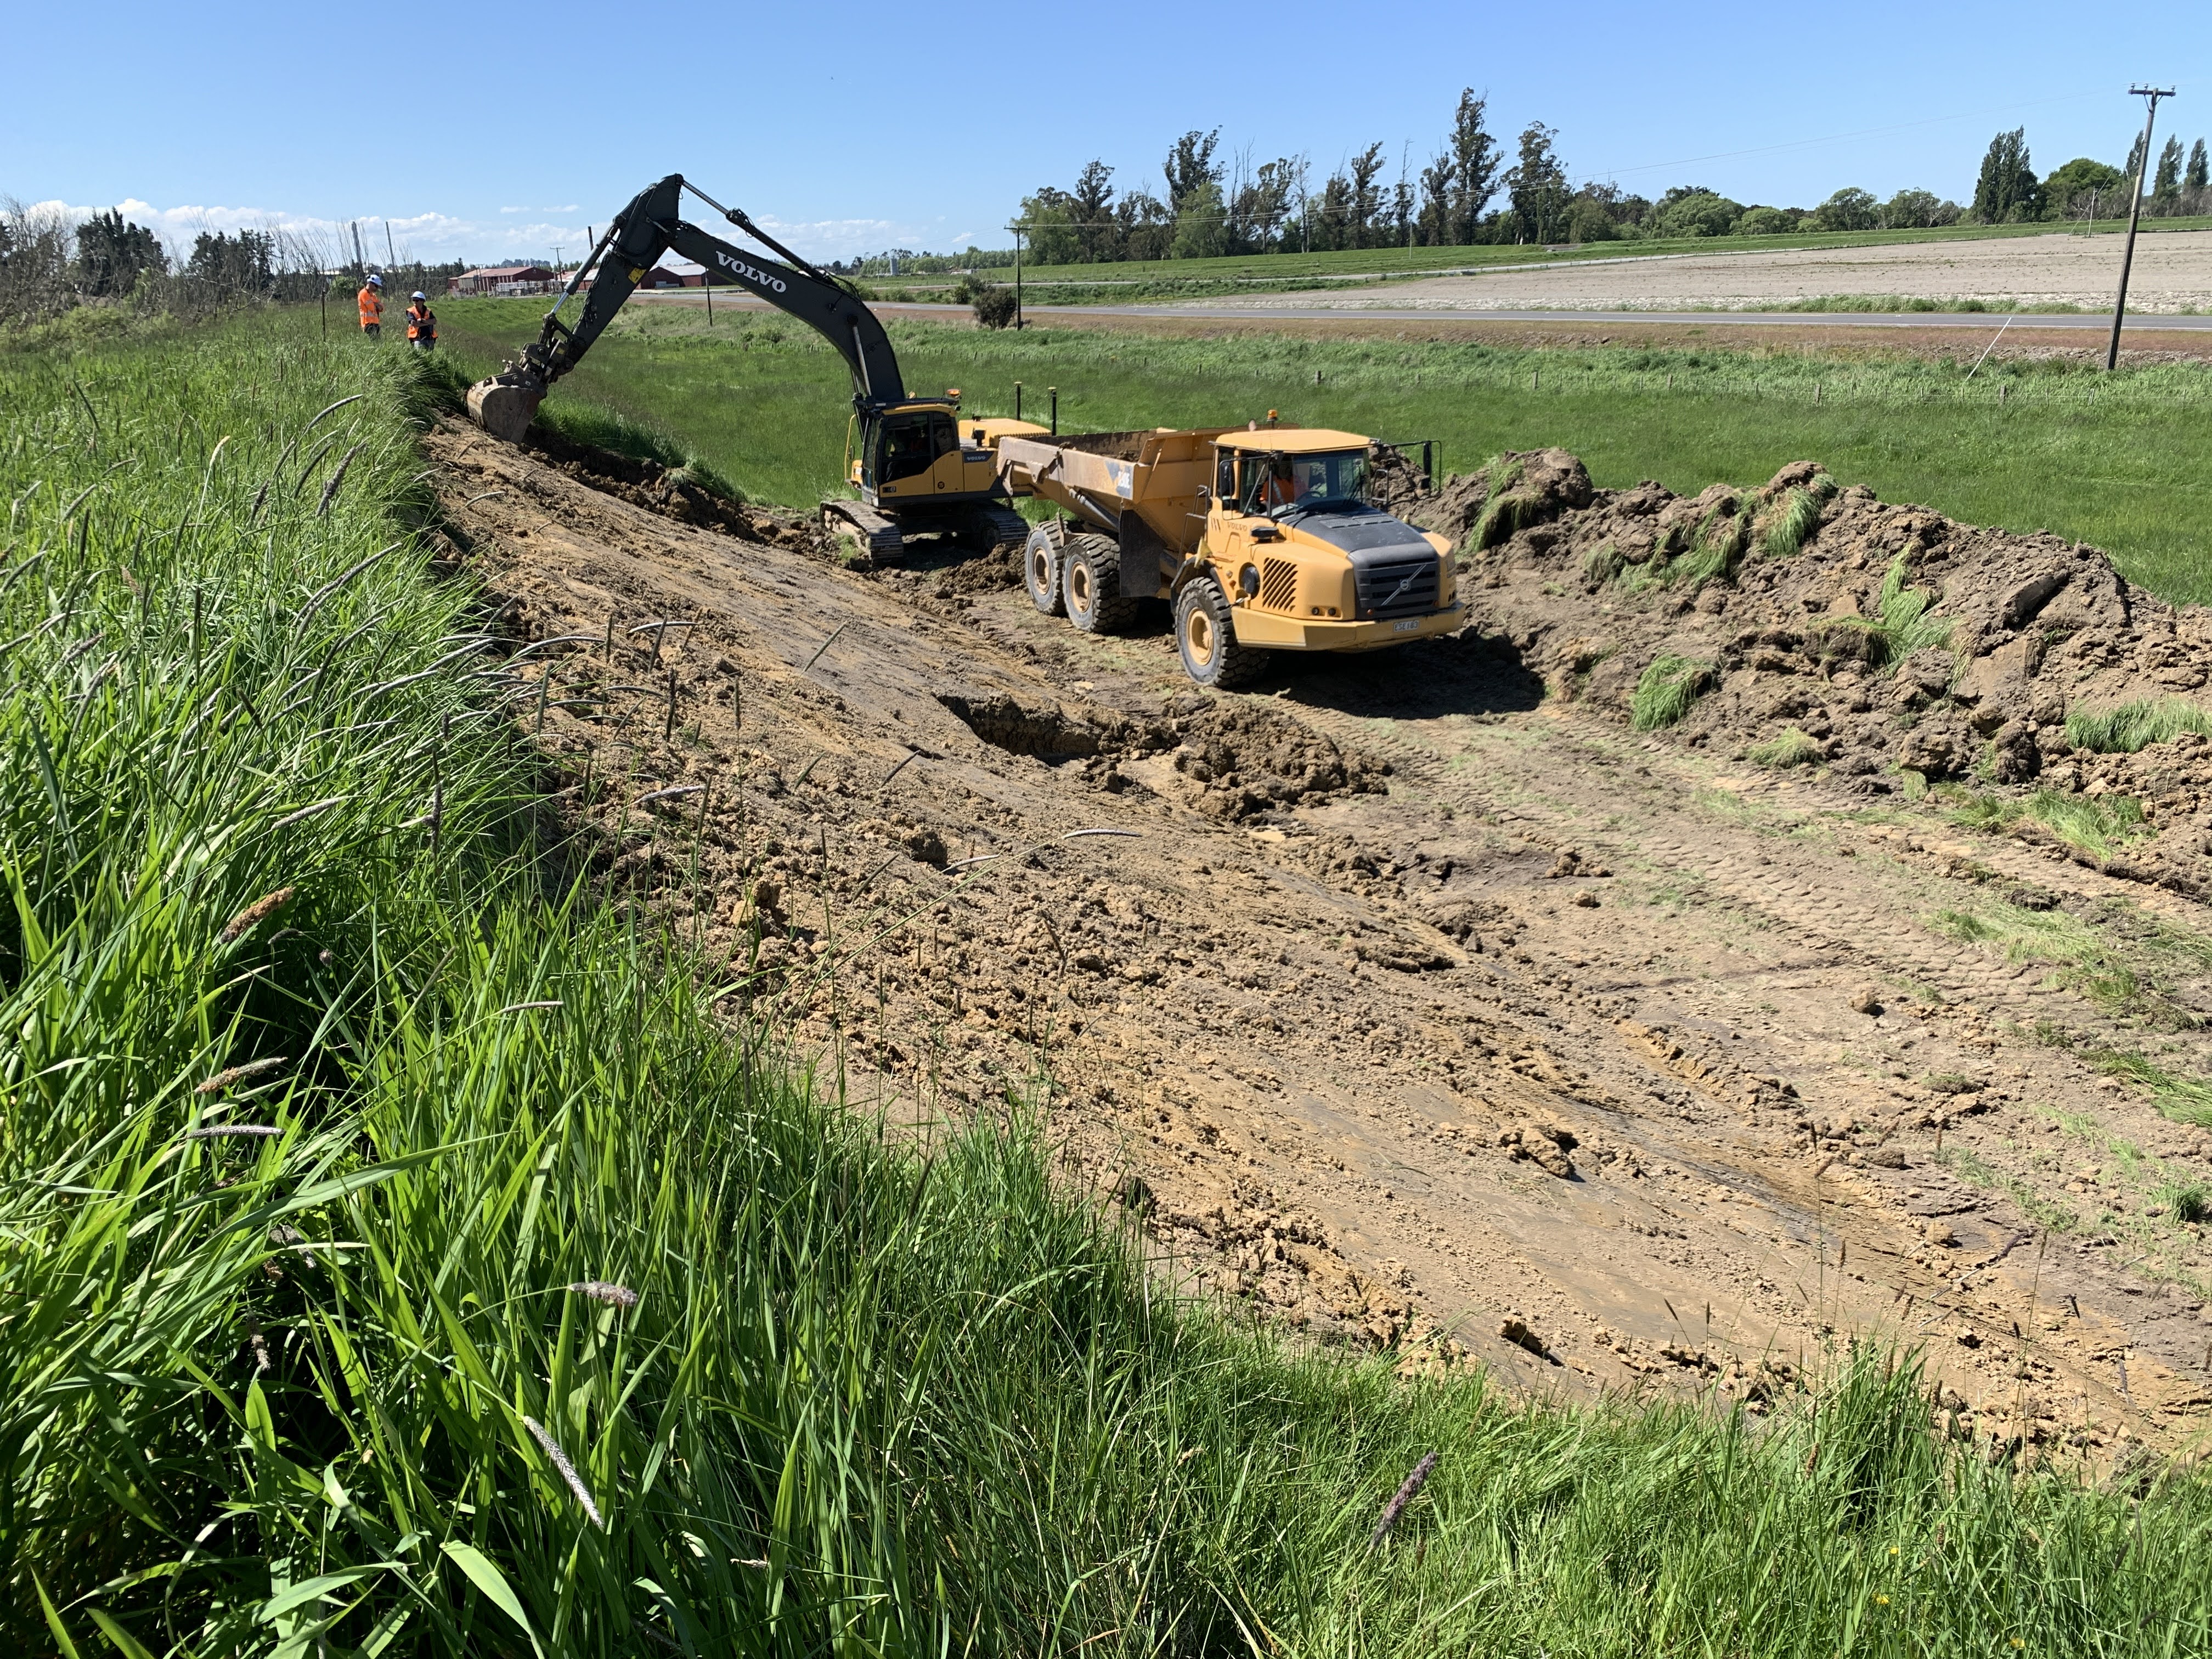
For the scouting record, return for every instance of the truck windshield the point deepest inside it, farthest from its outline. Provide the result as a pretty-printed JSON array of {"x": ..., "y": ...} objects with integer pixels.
[{"x": 1304, "y": 483}]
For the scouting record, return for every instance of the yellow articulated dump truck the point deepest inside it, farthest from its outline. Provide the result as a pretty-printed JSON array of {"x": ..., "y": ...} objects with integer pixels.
[{"x": 1260, "y": 538}]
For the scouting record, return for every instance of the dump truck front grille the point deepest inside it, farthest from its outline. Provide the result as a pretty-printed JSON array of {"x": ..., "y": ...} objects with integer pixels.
[
  {"x": 1279, "y": 585},
  {"x": 1394, "y": 587}
]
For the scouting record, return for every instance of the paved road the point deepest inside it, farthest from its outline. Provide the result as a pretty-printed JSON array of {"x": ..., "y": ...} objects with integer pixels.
[{"x": 1991, "y": 319}]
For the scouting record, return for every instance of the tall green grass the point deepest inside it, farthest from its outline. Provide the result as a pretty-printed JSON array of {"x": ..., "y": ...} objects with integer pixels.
[
  {"x": 2119, "y": 461},
  {"x": 2132, "y": 726},
  {"x": 402, "y": 1252}
]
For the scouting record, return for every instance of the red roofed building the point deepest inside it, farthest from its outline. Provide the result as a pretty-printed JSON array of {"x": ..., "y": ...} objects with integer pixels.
[{"x": 501, "y": 279}]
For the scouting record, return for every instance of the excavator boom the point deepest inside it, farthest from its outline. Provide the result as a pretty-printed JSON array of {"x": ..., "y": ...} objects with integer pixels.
[{"x": 649, "y": 226}]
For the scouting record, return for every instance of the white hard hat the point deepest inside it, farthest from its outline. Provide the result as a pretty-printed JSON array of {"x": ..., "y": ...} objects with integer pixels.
[
  {"x": 418, "y": 295},
  {"x": 376, "y": 281}
]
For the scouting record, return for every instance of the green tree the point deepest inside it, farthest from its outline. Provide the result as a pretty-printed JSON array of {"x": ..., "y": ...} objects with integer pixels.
[
  {"x": 1201, "y": 228},
  {"x": 1189, "y": 166},
  {"x": 2072, "y": 191},
  {"x": 2007, "y": 189},
  {"x": 1474, "y": 169},
  {"x": 1764, "y": 222},
  {"x": 234, "y": 267},
  {"x": 1917, "y": 210},
  {"x": 1537, "y": 186},
  {"x": 2198, "y": 176},
  {"x": 1589, "y": 222},
  {"x": 1694, "y": 213},
  {"x": 2166, "y": 188},
  {"x": 1363, "y": 197},
  {"x": 1092, "y": 204},
  {"x": 110, "y": 255},
  {"x": 1048, "y": 220},
  {"x": 1849, "y": 209}
]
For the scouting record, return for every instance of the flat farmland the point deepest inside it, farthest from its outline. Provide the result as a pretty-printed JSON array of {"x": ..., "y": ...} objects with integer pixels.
[{"x": 2173, "y": 275}]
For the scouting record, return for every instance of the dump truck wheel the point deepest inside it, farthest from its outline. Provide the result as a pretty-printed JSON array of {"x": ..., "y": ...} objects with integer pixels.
[
  {"x": 1091, "y": 585},
  {"x": 1205, "y": 638},
  {"x": 1040, "y": 558}
]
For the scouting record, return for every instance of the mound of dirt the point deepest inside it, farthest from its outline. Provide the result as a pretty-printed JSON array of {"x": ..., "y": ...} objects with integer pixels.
[
  {"x": 648, "y": 484},
  {"x": 1808, "y": 626},
  {"x": 1253, "y": 759},
  {"x": 1246, "y": 758}
]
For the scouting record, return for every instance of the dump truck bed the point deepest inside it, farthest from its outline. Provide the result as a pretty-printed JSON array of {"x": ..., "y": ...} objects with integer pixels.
[{"x": 1101, "y": 477}]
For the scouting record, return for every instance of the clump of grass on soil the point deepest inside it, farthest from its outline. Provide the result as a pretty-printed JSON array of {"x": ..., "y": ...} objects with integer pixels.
[
  {"x": 1787, "y": 522},
  {"x": 2134, "y": 725},
  {"x": 1666, "y": 691},
  {"x": 1502, "y": 506},
  {"x": 2184, "y": 1200},
  {"x": 2184, "y": 1099},
  {"x": 2099, "y": 825},
  {"x": 1901, "y": 624},
  {"x": 1787, "y": 748},
  {"x": 513, "y": 1296}
]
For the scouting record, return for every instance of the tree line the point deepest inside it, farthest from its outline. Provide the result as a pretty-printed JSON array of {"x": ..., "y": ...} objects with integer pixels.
[
  {"x": 1471, "y": 190},
  {"x": 49, "y": 265},
  {"x": 2007, "y": 190}
]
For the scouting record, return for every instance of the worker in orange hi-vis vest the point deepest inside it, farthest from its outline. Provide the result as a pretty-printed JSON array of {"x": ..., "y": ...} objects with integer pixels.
[
  {"x": 421, "y": 322},
  {"x": 371, "y": 301}
]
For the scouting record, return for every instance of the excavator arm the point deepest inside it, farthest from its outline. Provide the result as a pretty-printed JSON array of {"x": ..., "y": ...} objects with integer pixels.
[{"x": 648, "y": 227}]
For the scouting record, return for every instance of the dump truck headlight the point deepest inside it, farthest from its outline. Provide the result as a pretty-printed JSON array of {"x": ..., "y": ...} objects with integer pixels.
[{"x": 1248, "y": 580}]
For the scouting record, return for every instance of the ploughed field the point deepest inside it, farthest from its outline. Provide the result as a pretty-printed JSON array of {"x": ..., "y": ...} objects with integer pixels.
[{"x": 1421, "y": 999}]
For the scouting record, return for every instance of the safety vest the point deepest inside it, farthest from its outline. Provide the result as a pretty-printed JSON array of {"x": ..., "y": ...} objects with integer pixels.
[
  {"x": 372, "y": 306},
  {"x": 421, "y": 323}
]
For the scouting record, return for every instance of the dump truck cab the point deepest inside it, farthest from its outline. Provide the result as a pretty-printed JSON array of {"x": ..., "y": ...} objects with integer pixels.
[{"x": 1305, "y": 560}]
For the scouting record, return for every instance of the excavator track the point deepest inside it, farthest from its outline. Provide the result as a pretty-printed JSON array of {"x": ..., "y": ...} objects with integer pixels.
[
  {"x": 999, "y": 526},
  {"x": 877, "y": 534}
]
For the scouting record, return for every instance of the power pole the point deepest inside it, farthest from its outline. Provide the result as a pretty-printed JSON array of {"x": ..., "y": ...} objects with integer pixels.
[
  {"x": 1017, "y": 278},
  {"x": 2135, "y": 215},
  {"x": 391, "y": 258}
]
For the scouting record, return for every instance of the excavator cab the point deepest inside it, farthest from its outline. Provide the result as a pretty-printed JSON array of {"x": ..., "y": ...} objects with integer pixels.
[{"x": 908, "y": 443}]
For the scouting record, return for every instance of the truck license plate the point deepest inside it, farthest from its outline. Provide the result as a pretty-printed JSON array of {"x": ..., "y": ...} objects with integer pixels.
[{"x": 1407, "y": 626}]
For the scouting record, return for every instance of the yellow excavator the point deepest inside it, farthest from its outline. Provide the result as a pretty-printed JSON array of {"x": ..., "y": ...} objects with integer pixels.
[{"x": 917, "y": 465}]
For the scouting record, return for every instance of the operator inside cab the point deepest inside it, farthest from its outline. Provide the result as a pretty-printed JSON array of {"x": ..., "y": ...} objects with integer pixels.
[
  {"x": 913, "y": 442},
  {"x": 1306, "y": 483}
]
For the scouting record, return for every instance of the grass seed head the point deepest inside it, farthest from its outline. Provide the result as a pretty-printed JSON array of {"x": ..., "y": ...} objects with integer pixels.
[
  {"x": 601, "y": 1290},
  {"x": 567, "y": 1470},
  {"x": 254, "y": 913},
  {"x": 1405, "y": 1495},
  {"x": 224, "y": 1080}
]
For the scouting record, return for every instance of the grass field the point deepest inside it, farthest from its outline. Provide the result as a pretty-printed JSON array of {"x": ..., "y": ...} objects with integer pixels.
[{"x": 2123, "y": 461}]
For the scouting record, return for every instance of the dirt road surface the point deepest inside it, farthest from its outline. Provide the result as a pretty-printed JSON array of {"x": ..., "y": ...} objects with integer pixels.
[
  {"x": 2172, "y": 273},
  {"x": 1413, "y": 1006}
]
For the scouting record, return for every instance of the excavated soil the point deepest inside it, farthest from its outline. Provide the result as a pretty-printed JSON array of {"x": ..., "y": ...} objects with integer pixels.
[{"x": 1417, "y": 999}]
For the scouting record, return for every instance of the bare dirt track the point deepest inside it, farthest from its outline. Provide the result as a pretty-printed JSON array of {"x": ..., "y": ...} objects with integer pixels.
[
  {"x": 1411, "y": 999},
  {"x": 2173, "y": 272}
]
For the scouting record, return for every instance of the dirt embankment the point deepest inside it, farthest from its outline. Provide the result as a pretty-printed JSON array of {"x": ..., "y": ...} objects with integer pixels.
[
  {"x": 1808, "y": 626},
  {"x": 1410, "y": 1003}
]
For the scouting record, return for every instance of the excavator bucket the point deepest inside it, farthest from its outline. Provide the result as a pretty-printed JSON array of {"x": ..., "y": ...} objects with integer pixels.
[{"x": 505, "y": 404}]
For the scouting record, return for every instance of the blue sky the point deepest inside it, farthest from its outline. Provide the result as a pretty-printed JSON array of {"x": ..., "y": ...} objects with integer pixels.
[{"x": 481, "y": 132}]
